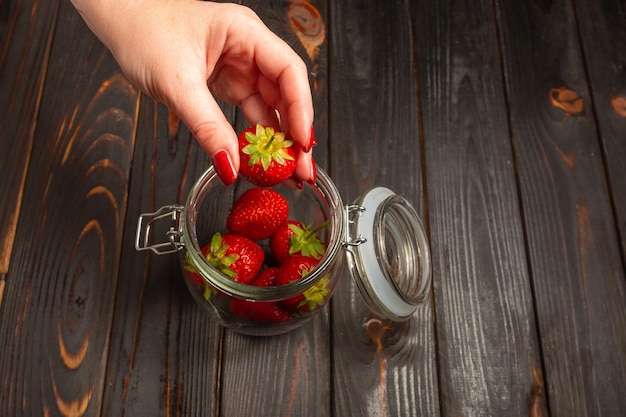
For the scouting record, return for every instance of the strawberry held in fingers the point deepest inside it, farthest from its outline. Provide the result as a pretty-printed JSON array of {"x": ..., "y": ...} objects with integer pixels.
[
  {"x": 235, "y": 256},
  {"x": 267, "y": 157},
  {"x": 258, "y": 213},
  {"x": 294, "y": 238}
]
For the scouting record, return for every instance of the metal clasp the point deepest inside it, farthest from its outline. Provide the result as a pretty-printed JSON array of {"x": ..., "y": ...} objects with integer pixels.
[
  {"x": 143, "y": 239},
  {"x": 351, "y": 211}
]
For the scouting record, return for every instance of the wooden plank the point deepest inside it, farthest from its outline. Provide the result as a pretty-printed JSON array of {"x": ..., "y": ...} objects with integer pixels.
[
  {"x": 58, "y": 308},
  {"x": 166, "y": 345},
  {"x": 489, "y": 358},
  {"x": 379, "y": 367},
  {"x": 286, "y": 374},
  {"x": 602, "y": 26},
  {"x": 305, "y": 29},
  {"x": 25, "y": 38},
  {"x": 577, "y": 272},
  {"x": 163, "y": 344}
]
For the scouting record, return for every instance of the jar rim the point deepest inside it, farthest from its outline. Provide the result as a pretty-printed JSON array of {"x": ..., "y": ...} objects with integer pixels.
[{"x": 327, "y": 192}]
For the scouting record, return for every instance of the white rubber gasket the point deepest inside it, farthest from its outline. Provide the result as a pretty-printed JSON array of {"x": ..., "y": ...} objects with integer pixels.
[{"x": 381, "y": 294}]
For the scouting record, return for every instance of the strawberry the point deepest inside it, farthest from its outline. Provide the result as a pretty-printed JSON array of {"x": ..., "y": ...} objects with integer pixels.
[
  {"x": 294, "y": 268},
  {"x": 257, "y": 213},
  {"x": 263, "y": 311},
  {"x": 294, "y": 238},
  {"x": 267, "y": 158},
  {"x": 266, "y": 278},
  {"x": 235, "y": 256},
  {"x": 192, "y": 272}
]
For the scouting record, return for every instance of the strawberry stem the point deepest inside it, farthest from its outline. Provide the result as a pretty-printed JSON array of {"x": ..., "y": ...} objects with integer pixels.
[
  {"x": 320, "y": 227},
  {"x": 267, "y": 146}
]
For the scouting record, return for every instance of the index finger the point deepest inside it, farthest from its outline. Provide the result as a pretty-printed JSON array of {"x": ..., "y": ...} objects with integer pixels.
[{"x": 285, "y": 85}]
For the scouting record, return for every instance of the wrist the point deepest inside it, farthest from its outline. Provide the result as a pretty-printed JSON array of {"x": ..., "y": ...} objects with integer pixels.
[{"x": 105, "y": 18}]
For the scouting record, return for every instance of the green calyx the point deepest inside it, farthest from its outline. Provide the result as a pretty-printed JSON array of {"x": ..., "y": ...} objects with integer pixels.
[
  {"x": 267, "y": 145},
  {"x": 209, "y": 292},
  {"x": 188, "y": 265},
  {"x": 217, "y": 256},
  {"x": 305, "y": 241},
  {"x": 316, "y": 295}
]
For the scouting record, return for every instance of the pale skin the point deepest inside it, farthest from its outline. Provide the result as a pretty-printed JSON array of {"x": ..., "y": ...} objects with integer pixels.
[{"x": 187, "y": 53}]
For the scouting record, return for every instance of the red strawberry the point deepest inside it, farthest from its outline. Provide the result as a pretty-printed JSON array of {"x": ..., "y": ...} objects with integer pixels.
[
  {"x": 257, "y": 213},
  {"x": 294, "y": 268},
  {"x": 192, "y": 272},
  {"x": 235, "y": 256},
  {"x": 266, "y": 278},
  {"x": 267, "y": 158},
  {"x": 294, "y": 238},
  {"x": 263, "y": 311}
]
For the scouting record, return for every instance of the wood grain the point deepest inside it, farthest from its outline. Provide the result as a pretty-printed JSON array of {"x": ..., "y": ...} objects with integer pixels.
[
  {"x": 379, "y": 368},
  {"x": 57, "y": 317},
  {"x": 602, "y": 26},
  {"x": 502, "y": 122},
  {"x": 26, "y": 29},
  {"x": 574, "y": 251},
  {"x": 489, "y": 358},
  {"x": 165, "y": 346}
]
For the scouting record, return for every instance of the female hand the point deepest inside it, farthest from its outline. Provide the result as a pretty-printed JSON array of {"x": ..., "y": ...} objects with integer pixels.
[{"x": 184, "y": 53}]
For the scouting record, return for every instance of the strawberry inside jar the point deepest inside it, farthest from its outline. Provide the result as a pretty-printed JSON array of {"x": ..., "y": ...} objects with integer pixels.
[
  {"x": 268, "y": 249},
  {"x": 278, "y": 274},
  {"x": 263, "y": 260}
]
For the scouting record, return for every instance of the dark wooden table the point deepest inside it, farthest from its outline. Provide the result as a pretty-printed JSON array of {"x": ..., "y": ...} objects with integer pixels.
[{"x": 504, "y": 122}]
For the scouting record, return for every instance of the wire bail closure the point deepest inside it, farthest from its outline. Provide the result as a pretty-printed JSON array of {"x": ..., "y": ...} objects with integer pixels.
[
  {"x": 352, "y": 211},
  {"x": 145, "y": 224}
]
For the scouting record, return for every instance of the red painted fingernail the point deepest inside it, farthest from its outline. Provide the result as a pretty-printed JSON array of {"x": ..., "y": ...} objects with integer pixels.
[
  {"x": 312, "y": 141},
  {"x": 313, "y": 172},
  {"x": 224, "y": 168}
]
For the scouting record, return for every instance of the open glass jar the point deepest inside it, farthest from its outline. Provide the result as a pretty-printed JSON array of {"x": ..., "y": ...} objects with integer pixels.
[{"x": 379, "y": 237}]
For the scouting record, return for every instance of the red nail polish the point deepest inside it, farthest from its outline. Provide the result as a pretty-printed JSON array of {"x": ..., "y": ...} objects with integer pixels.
[
  {"x": 313, "y": 172},
  {"x": 224, "y": 168},
  {"x": 312, "y": 141}
]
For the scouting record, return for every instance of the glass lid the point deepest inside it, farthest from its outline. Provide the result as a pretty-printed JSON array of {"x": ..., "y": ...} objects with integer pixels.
[{"x": 390, "y": 260}]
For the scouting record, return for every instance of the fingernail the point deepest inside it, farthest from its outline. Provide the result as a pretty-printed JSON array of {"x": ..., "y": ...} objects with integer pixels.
[
  {"x": 312, "y": 141},
  {"x": 224, "y": 168},
  {"x": 313, "y": 177}
]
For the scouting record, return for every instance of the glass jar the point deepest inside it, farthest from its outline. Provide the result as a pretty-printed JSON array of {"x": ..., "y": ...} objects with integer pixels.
[{"x": 379, "y": 237}]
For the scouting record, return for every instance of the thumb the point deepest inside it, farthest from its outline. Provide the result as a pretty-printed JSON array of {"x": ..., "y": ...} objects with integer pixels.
[{"x": 203, "y": 116}]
